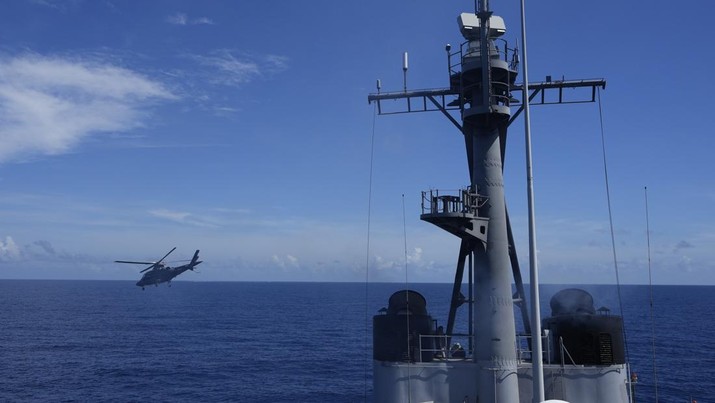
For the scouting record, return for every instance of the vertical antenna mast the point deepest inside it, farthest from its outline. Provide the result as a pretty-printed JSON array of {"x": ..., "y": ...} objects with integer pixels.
[
  {"x": 536, "y": 356},
  {"x": 404, "y": 70},
  {"x": 484, "y": 38},
  {"x": 650, "y": 287}
]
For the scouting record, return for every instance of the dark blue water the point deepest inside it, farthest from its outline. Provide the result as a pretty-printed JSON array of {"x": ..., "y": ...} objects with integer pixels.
[{"x": 275, "y": 342}]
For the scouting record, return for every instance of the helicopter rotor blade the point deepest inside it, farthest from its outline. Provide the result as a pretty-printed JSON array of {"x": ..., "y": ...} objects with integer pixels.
[
  {"x": 153, "y": 265},
  {"x": 133, "y": 262},
  {"x": 160, "y": 260}
]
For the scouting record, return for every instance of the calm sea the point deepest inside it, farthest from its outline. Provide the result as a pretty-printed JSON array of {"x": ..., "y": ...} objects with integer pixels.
[{"x": 277, "y": 342}]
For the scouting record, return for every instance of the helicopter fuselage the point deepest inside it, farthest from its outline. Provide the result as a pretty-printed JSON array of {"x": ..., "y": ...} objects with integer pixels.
[
  {"x": 161, "y": 275},
  {"x": 158, "y": 272}
]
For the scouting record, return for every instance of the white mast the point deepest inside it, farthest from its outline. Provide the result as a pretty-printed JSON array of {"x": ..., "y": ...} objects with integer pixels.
[{"x": 536, "y": 355}]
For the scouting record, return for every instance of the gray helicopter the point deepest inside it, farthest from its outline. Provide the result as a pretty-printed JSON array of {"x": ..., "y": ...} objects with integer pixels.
[{"x": 158, "y": 272}]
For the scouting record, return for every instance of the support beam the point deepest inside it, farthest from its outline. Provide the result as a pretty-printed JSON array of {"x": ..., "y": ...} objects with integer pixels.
[{"x": 464, "y": 250}]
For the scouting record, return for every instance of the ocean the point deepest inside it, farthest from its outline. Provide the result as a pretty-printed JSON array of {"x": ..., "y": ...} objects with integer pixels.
[{"x": 279, "y": 342}]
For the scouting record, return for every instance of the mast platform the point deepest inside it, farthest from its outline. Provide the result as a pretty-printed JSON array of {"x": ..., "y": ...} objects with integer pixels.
[{"x": 456, "y": 214}]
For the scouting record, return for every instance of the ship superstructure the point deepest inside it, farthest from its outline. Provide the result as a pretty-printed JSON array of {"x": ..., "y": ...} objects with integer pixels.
[{"x": 416, "y": 359}]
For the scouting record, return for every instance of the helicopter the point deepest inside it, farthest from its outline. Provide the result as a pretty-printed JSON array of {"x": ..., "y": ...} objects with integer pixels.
[{"x": 158, "y": 272}]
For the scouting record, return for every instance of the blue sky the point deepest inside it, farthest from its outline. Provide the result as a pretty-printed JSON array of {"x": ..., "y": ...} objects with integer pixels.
[{"x": 243, "y": 129}]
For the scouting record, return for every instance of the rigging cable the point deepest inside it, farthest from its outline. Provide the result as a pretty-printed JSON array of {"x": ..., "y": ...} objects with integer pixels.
[
  {"x": 407, "y": 300},
  {"x": 367, "y": 252},
  {"x": 650, "y": 287},
  {"x": 610, "y": 220}
]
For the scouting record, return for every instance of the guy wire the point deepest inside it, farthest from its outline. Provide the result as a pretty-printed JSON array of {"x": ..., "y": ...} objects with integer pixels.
[{"x": 610, "y": 220}]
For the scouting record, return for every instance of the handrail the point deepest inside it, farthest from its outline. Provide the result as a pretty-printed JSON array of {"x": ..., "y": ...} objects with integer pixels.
[
  {"x": 464, "y": 201},
  {"x": 494, "y": 52},
  {"x": 564, "y": 349},
  {"x": 441, "y": 350},
  {"x": 521, "y": 353}
]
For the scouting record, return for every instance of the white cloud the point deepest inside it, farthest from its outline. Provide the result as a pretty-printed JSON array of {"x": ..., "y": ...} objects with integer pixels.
[
  {"x": 177, "y": 19},
  {"x": 183, "y": 19},
  {"x": 170, "y": 215},
  {"x": 56, "y": 4},
  {"x": 415, "y": 257},
  {"x": 202, "y": 20},
  {"x": 48, "y": 105},
  {"x": 231, "y": 69},
  {"x": 234, "y": 71},
  {"x": 183, "y": 218},
  {"x": 38, "y": 250},
  {"x": 9, "y": 250},
  {"x": 414, "y": 262},
  {"x": 276, "y": 63},
  {"x": 286, "y": 262}
]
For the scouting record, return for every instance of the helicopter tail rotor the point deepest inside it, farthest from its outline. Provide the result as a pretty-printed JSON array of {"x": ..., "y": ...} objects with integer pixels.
[{"x": 194, "y": 261}]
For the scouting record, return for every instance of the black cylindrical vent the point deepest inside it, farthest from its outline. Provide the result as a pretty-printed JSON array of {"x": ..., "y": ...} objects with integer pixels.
[{"x": 396, "y": 334}]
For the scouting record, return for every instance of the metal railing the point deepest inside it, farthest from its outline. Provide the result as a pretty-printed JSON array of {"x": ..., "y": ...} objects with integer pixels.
[
  {"x": 524, "y": 352},
  {"x": 460, "y": 201},
  {"x": 450, "y": 347},
  {"x": 445, "y": 347},
  {"x": 509, "y": 55}
]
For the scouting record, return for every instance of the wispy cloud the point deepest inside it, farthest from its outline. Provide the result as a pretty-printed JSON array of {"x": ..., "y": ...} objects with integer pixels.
[
  {"x": 56, "y": 4},
  {"x": 183, "y": 218},
  {"x": 48, "y": 105},
  {"x": 233, "y": 71},
  {"x": 202, "y": 20},
  {"x": 183, "y": 19},
  {"x": 232, "y": 68},
  {"x": 682, "y": 245},
  {"x": 46, "y": 3},
  {"x": 286, "y": 262},
  {"x": 276, "y": 63}
]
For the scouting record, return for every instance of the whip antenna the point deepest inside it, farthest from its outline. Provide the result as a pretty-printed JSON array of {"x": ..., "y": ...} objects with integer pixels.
[
  {"x": 404, "y": 70},
  {"x": 650, "y": 287}
]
